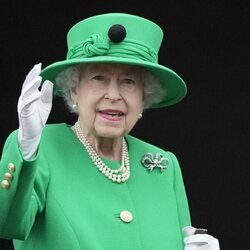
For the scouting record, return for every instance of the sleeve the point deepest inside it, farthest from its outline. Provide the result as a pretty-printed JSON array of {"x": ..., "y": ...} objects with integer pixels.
[
  {"x": 22, "y": 191},
  {"x": 180, "y": 194}
]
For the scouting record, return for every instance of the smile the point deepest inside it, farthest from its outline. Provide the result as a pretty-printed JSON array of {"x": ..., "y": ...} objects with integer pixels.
[{"x": 111, "y": 115}]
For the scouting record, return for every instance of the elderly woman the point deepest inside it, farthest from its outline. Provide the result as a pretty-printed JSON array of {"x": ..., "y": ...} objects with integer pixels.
[{"x": 92, "y": 185}]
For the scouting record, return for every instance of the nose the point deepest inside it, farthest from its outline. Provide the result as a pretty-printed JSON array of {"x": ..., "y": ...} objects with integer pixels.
[{"x": 113, "y": 91}]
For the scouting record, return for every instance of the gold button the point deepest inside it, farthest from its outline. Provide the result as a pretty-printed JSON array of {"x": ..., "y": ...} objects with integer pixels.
[
  {"x": 126, "y": 216},
  {"x": 5, "y": 184},
  {"x": 8, "y": 176},
  {"x": 11, "y": 167}
]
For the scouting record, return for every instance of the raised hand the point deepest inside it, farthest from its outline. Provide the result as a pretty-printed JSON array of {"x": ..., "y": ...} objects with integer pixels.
[{"x": 33, "y": 108}]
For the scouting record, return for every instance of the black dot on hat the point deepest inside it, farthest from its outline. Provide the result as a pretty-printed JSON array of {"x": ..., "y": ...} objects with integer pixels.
[{"x": 117, "y": 33}]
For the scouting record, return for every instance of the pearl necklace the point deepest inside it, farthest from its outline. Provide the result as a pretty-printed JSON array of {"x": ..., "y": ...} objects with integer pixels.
[{"x": 116, "y": 175}]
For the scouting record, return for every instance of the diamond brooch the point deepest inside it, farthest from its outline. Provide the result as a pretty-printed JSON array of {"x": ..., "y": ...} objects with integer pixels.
[{"x": 151, "y": 161}]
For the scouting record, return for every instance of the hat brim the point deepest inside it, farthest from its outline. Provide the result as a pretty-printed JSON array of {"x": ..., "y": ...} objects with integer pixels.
[{"x": 170, "y": 81}]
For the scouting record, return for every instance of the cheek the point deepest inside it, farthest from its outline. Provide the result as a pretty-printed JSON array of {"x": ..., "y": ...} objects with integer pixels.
[
  {"x": 86, "y": 105},
  {"x": 138, "y": 102},
  {"x": 136, "y": 106},
  {"x": 86, "y": 96}
]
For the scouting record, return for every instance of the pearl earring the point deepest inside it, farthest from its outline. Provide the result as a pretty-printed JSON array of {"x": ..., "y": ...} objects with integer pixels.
[
  {"x": 140, "y": 115},
  {"x": 74, "y": 106}
]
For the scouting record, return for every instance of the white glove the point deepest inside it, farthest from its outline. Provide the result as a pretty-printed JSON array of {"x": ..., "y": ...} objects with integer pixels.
[
  {"x": 198, "y": 241},
  {"x": 33, "y": 109}
]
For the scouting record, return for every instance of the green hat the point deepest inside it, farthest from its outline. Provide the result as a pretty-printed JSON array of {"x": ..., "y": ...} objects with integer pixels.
[{"x": 119, "y": 38}]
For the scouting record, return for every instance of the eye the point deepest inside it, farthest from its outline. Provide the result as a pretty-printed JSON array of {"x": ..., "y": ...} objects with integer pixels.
[
  {"x": 128, "y": 81},
  {"x": 99, "y": 77}
]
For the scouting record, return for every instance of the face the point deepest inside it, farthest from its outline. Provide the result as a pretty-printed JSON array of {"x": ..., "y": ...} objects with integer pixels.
[{"x": 109, "y": 99}]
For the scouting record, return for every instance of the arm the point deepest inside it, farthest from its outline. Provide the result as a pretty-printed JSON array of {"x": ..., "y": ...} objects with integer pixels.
[
  {"x": 24, "y": 183},
  {"x": 26, "y": 193},
  {"x": 180, "y": 194},
  {"x": 192, "y": 240}
]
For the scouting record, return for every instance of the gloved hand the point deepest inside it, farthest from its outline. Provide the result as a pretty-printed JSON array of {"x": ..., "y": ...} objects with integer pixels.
[
  {"x": 199, "y": 241},
  {"x": 33, "y": 109}
]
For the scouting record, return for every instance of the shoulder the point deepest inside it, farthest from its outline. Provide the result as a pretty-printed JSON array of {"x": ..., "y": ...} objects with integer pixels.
[
  {"x": 57, "y": 138},
  {"x": 144, "y": 151},
  {"x": 141, "y": 144},
  {"x": 56, "y": 133},
  {"x": 147, "y": 147},
  {"x": 56, "y": 129}
]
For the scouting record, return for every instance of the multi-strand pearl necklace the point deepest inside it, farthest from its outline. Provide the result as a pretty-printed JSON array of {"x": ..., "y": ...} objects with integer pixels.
[{"x": 116, "y": 175}]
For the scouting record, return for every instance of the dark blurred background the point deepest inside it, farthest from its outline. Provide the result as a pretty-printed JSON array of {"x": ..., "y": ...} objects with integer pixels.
[{"x": 206, "y": 43}]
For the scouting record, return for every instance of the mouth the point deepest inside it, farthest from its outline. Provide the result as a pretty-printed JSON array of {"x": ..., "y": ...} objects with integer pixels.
[{"x": 111, "y": 114}]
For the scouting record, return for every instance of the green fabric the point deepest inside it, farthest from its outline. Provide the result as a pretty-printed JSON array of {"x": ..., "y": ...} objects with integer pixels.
[
  {"x": 88, "y": 42},
  {"x": 61, "y": 201}
]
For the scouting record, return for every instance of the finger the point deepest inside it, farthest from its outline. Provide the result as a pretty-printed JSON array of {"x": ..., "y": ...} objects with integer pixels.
[
  {"x": 189, "y": 230},
  {"x": 47, "y": 92},
  {"x": 198, "y": 239},
  {"x": 197, "y": 243},
  {"x": 32, "y": 82},
  {"x": 23, "y": 106},
  {"x": 35, "y": 71},
  {"x": 32, "y": 89},
  {"x": 32, "y": 76},
  {"x": 46, "y": 101}
]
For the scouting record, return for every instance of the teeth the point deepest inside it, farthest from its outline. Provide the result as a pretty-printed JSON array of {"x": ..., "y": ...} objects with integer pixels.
[{"x": 113, "y": 114}]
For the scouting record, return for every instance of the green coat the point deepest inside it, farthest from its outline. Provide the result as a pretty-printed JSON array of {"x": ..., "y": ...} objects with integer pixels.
[{"x": 61, "y": 201}]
